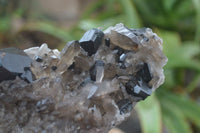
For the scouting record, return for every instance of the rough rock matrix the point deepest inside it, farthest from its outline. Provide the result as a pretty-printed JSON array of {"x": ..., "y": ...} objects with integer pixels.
[{"x": 89, "y": 87}]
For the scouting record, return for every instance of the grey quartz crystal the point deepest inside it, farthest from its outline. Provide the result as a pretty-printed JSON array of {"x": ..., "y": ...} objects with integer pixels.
[{"x": 89, "y": 87}]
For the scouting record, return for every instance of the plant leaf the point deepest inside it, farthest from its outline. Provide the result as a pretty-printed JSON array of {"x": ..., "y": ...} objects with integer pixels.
[
  {"x": 190, "y": 109},
  {"x": 150, "y": 115},
  {"x": 131, "y": 14},
  {"x": 168, "y": 4},
  {"x": 179, "y": 56},
  {"x": 92, "y": 7},
  {"x": 174, "y": 120},
  {"x": 49, "y": 29},
  {"x": 91, "y": 23}
]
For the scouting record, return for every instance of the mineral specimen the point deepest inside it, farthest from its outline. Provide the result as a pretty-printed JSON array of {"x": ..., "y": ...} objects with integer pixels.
[{"x": 89, "y": 87}]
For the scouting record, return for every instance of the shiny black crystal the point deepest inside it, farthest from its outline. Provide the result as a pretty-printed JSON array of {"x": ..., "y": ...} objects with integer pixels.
[
  {"x": 125, "y": 106},
  {"x": 91, "y": 40},
  {"x": 107, "y": 42},
  {"x": 14, "y": 62},
  {"x": 54, "y": 68},
  {"x": 120, "y": 51},
  {"x": 144, "y": 73},
  {"x": 93, "y": 69},
  {"x": 27, "y": 75},
  {"x": 138, "y": 89},
  {"x": 138, "y": 85},
  {"x": 120, "y": 55}
]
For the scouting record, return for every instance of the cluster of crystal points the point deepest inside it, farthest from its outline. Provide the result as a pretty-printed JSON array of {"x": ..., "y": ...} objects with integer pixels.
[{"x": 88, "y": 87}]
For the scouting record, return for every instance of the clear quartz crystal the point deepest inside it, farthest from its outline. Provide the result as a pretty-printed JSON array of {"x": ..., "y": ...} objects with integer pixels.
[
  {"x": 84, "y": 89},
  {"x": 67, "y": 55}
]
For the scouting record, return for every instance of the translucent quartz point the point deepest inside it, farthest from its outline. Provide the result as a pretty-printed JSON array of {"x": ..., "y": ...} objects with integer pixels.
[
  {"x": 97, "y": 71},
  {"x": 67, "y": 55},
  {"x": 121, "y": 35}
]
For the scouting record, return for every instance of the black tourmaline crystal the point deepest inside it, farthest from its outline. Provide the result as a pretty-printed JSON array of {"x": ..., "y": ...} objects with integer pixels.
[
  {"x": 107, "y": 42},
  {"x": 139, "y": 86},
  {"x": 14, "y": 62},
  {"x": 139, "y": 90},
  {"x": 144, "y": 73},
  {"x": 91, "y": 40}
]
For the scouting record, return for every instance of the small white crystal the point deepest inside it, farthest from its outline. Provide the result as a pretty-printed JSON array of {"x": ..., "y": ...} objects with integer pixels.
[{"x": 92, "y": 91}]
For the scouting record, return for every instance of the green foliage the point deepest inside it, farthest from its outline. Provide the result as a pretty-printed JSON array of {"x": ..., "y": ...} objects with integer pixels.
[
  {"x": 4, "y": 24},
  {"x": 196, "y": 4},
  {"x": 49, "y": 28},
  {"x": 130, "y": 13},
  {"x": 180, "y": 55},
  {"x": 150, "y": 115},
  {"x": 179, "y": 104}
]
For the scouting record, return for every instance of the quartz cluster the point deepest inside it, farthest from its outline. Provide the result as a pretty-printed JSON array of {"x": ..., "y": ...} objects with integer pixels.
[{"x": 89, "y": 87}]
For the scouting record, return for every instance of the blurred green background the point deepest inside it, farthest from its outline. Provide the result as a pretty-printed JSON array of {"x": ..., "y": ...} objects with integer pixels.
[{"x": 175, "y": 106}]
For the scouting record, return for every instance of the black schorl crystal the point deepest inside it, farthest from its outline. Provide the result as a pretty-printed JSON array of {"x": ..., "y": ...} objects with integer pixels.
[
  {"x": 135, "y": 89},
  {"x": 144, "y": 73},
  {"x": 107, "y": 42},
  {"x": 138, "y": 86},
  {"x": 27, "y": 75},
  {"x": 120, "y": 51},
  {"x": 14, "y": 62},
  {"x": 91, "y": 41},
  {"x": 120, "y": 56},
  {"x": 93, "y": 70},
  {"x": 125, "y": 106},
  {"x": 54, "y": 68}
]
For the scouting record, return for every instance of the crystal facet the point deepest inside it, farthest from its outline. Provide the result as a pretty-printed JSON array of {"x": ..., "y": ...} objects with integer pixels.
[
  {"x": 91, "y": 41},
  {"x": 14, "y": 62}
]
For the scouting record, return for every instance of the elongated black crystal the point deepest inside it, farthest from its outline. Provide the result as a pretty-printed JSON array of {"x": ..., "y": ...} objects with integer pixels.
[
  {"x": 138, "y": 86},
  {"x": 91, "y": 40},
  {"x": 14, "y": 62},
  {"x": 135, "y": 88},
  {"x": 144, "y": 73},
  {"x": 107, "y": 42}
]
